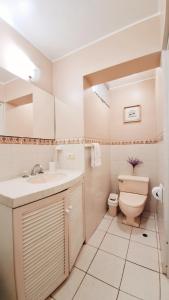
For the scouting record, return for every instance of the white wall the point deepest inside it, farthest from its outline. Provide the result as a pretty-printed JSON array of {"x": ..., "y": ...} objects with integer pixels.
[
  {"x": 70, "y": 157},
  {"x": 148, "y": 153},
  {"x": 15, "y": 159}
]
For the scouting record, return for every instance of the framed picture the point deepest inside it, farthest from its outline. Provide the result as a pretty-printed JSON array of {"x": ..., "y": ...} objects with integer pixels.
[{"x": 132, "y": 114}]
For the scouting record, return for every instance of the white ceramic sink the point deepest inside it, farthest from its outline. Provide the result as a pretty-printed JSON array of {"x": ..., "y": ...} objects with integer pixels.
[
  {"x": 46, "y": 177},
  {"x": 20, "y": 191}
]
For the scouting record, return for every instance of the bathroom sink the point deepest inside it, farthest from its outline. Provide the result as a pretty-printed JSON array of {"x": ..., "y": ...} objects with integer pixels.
[{"x": 45, "y": 178}]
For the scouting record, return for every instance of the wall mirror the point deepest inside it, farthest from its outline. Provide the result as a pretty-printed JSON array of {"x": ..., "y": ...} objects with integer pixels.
[{"x": 25, "y": 110}]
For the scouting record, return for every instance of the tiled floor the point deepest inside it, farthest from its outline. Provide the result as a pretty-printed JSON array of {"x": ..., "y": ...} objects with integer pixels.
[{"x": 118, "y": 263}]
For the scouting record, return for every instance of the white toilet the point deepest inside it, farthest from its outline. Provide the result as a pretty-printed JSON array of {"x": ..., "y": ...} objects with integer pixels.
[{"x": 132, "y": 197}]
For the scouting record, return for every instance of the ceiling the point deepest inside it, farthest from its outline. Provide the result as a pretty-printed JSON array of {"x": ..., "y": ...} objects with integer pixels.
[
  {"x": 58, "y": 27},
  {"x": 131, "y": 79},
  {"x": 5, "y": 76}
]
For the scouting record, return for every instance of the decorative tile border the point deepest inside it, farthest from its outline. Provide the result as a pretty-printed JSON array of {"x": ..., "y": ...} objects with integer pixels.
[
  {"x": 134, "y": 142},
  {"x": 97, "y": 140},
  {"x": 124, "y": 142},
  {"x": 25, "y": 140},
  {"x": 79, "y": 140},
  {"x": 38, "y": 141}
]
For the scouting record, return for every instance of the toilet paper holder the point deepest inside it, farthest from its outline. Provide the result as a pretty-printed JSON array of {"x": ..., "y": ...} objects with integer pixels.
[{"x": 157, "y": 192}]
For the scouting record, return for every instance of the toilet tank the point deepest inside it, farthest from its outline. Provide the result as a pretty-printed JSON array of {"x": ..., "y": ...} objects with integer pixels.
[{"x": 133, "y": 184}]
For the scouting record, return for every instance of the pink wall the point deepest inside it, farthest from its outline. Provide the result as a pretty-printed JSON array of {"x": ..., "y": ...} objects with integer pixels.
[
  {"x": 17, "y": 88},
  {"x": 123, "y": 46},
  {"x": 97, "y": 189},
  {"x": 160, "y": 100},
  {"x": 68, "y": 87},
  {"x": 143, "y": 94},
  {"x": 96, "y": 116},
  {"x": 19, "y": 120},
  {"x": 2, "y": 92},
  {"x": 66, "y": 117},
  {"x": 10, "y": 37}
]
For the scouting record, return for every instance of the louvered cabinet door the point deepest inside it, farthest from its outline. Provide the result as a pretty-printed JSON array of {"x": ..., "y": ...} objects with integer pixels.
[
  {"x": 76, "y": 222},
  {"x": 40, "y": 247}
]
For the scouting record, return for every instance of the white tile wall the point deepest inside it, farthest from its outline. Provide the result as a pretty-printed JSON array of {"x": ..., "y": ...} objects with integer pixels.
[
  {"x": 97, "y": 189},
  {"x": 148, "y": 153},
  {"x": 64, "y": 159},
  {"x": 15, "y": 159}
]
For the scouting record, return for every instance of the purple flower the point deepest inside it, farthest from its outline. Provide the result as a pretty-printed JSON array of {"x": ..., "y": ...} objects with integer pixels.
[{"x": 134, "y": 162}]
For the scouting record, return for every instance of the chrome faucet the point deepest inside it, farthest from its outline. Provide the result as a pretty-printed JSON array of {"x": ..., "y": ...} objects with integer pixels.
[{"x": 37, "y": 169}]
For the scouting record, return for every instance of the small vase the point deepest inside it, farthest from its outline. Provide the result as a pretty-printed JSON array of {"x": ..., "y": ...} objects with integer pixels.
[{"x": 134, "y": 172}]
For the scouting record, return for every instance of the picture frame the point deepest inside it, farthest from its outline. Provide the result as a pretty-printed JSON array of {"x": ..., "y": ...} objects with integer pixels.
[{"x": 132, "y": 114}]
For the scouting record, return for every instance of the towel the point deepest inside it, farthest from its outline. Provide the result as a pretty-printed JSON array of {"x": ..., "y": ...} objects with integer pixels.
[{"x": 95, "y": 155}]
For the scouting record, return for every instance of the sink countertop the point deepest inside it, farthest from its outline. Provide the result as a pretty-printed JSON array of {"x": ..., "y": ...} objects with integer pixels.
[{"x": 19, "y": 191}]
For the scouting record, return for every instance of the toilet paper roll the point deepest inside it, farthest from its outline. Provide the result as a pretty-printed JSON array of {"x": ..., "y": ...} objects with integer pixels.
[{"x": 157, "y": 192}]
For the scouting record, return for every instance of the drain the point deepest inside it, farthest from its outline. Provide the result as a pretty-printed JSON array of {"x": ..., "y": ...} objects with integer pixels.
[{"x": 145, "y": 234}]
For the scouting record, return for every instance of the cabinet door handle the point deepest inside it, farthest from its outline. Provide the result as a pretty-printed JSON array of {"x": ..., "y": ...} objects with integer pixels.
[
  {"x": 70, "y": 207},
  {"x": 67, "y": 211}
]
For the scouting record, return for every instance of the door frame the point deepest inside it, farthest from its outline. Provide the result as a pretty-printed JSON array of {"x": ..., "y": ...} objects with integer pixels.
[{"x": 165, "y": 205}]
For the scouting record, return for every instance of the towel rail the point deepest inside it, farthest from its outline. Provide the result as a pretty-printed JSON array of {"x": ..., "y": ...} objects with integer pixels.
[{"x": 89, "y": 145}]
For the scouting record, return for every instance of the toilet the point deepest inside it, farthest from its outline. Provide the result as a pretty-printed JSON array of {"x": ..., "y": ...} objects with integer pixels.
[{"x": 132, "y": 197}]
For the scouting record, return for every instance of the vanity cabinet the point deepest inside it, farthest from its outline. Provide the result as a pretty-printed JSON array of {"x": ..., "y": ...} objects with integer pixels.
[
  {"x": 76, "y": 222},
  {"x": 40, "y": 246}
]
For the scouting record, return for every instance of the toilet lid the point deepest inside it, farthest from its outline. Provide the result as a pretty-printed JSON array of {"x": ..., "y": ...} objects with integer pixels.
[{"x": 134, "y": 200}]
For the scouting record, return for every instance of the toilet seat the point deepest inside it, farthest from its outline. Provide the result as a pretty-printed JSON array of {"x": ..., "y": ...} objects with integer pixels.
[{"x": 133, "y": 200}]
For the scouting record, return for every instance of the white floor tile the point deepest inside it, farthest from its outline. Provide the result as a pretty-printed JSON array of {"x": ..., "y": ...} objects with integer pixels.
[
  {"x": 160, "y": 261},
  {"x": 124, "y": 296},
  {"x": 156, "y": 222},
  {"x": 150, "y": 240},
  {"x": 119, "y": 218},
  {"x": 120, "y": 229},
  {"x": 115, "y": 245},
  {"x": 140, "y": 282},
  {"x": 107, "y": 216},
  {"x": 158, "y": 241},
  {"x": 148, "y": 223},
  {"x": 96, "y": 238},
  {"x": 68, "y": 289},
  {"x": 85, "y": 257},
  {"x": 107, "y": 267},
  {"x": 164, "y": 287},
  {"x": 104, "y": 225},
  {"x": 137, "y": 283},
  {"x": 143, "y": 255},
  {"x": 92, "y": 289}
]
